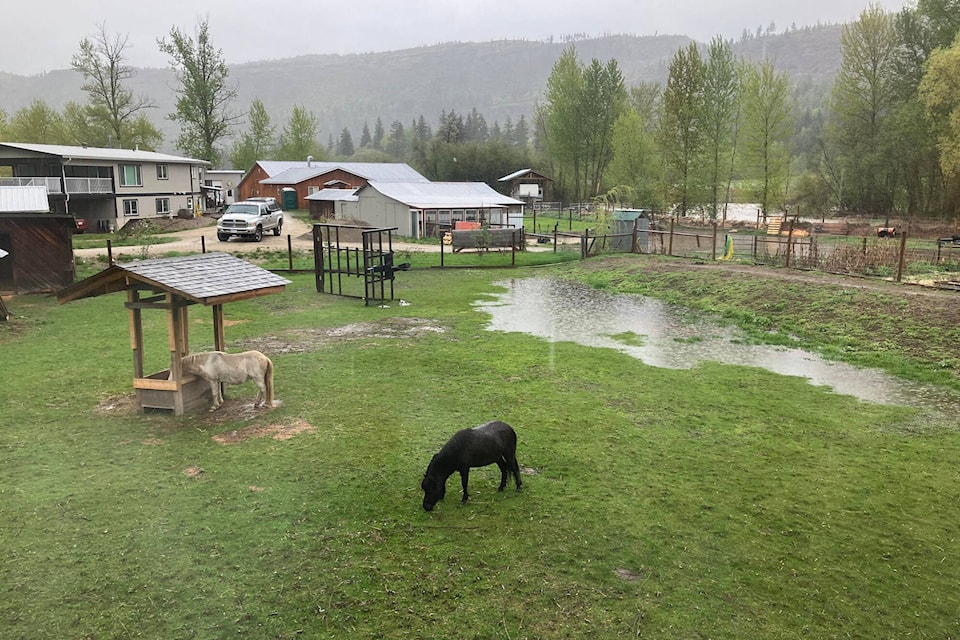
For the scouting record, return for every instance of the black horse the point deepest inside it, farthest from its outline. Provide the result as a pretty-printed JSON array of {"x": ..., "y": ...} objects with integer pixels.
[{"x": 493, "y": 442}]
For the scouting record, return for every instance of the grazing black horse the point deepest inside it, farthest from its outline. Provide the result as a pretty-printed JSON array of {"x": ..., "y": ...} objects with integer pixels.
[{"x": 493, "y": 442}]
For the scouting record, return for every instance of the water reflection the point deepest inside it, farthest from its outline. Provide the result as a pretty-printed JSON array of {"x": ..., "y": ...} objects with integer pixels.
[{"x": 673, "y": 337}]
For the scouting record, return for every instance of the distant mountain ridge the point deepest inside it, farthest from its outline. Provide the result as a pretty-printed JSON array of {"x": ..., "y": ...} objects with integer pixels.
[{"x": 504, "y": 78}]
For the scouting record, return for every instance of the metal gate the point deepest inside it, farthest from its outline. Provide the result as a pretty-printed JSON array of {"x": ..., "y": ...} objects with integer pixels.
[{"x": 339, "y": 261}]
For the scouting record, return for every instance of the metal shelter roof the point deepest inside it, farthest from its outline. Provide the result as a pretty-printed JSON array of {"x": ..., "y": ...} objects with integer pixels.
[
  {"x": 370, "y": 171},
  {"x": 207, "y": 279},
  {"x": 330, "y": 195},
  {"x": 24, "y": 200},
  {"x": 445, "y": 195}
]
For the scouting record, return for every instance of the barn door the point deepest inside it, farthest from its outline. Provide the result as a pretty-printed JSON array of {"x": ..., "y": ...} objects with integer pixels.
[{"x": 6, "y": 264}]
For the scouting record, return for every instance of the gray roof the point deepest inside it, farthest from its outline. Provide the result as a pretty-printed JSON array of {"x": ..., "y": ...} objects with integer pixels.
[
  {"x": 95, "y": 153},
  {"x": 208, "y": 278},
  {"x": 347, "y": 195},
  {"x": 274, "y": 167},
  {"x": 444, "y": 195},
  {"x": 24, "y": 200},
  {"x": 370, "y": 171}
]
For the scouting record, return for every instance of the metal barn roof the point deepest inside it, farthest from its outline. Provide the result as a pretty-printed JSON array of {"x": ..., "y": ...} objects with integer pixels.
[
  {"x": 370, "y": 171},
  {"x": 445, "y": 195}
]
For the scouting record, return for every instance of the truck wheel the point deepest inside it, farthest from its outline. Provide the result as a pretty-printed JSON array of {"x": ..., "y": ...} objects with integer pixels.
[
  {"x": 223, "y": 237},
  {"x": 258, "y": 234},
  {"x": 278, "y": 228}
]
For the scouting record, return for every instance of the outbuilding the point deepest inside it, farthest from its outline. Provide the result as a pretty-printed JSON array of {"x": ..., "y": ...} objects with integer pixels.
[
  {"x": 38, "y": 244},
  {"x": 430, "y": 209}
]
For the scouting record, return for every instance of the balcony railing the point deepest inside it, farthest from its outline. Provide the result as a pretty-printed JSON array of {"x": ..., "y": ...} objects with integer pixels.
[{"x": 74, "y": 185}]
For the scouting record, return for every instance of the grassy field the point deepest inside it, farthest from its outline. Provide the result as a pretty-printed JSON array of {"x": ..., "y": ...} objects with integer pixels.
[{"x": 721, "y": 502}]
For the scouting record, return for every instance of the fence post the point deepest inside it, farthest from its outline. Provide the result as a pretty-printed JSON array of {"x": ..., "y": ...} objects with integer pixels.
[
  {"x": 584, "y": 243},
  {"x": 670, "y": 244},
  {"x": 290, "y": 252},
  {"x": 903, "y": 251},
  {"x": 513, "y": 249},
  {"x": 203, "y": 244},
  {"x": 789, "y": 242},
  {"x": 555, "y": 237},
  {"x": 713, "y": 255},
  {"x": 110, "y": 253},
  {"x": 441, "y": 252},
  {"x": 633, "y": 240}
]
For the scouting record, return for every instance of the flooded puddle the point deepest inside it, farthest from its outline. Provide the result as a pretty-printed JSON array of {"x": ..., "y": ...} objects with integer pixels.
[{"x": 673, "y": 337}]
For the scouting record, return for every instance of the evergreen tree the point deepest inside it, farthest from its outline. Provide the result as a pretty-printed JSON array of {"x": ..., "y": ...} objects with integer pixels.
[
  {"x": 398, "y": 140},
  {"x": 365, "y": 138},
  {"x": 345, "y": 147},
  {"x": 378, "y": 134}
]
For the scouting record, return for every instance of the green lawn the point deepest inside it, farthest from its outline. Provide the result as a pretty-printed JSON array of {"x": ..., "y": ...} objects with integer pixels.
[{"x": 721, "y": 502}]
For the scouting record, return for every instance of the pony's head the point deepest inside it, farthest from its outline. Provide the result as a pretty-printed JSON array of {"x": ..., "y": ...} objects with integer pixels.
[{"x": 434, "y": 487}]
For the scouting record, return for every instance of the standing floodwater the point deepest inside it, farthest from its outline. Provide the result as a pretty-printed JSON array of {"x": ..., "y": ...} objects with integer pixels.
[{"x": 675, "y": 337}]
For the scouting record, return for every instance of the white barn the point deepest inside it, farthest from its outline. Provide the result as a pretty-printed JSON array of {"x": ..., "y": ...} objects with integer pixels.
[{"x": 430, "y": 209}]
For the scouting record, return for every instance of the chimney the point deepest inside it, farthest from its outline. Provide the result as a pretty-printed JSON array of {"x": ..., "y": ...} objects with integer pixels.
[{"x": 309, "y": 161}]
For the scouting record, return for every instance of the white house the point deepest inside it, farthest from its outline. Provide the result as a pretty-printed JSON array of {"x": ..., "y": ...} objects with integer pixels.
[{"x": 108, "y": 187}]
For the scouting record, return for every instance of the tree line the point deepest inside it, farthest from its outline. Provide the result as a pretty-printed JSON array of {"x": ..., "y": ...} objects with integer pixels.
[{"x": 883, "y": 139}]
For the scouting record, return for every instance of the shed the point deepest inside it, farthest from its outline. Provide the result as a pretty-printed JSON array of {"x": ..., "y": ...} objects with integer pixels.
[
  {"x": 528, "y": 185},
  {"x": 38, "y": 243},
  {"x": 630, "y": 230},
  {"x": 173, "y": 285}
]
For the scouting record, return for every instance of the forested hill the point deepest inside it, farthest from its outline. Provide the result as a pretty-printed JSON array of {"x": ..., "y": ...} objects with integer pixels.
[{"x": 500, "y": 78}]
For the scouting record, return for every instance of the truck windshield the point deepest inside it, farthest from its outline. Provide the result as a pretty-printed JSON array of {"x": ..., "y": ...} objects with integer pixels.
[{"x": 243, "y": 208}]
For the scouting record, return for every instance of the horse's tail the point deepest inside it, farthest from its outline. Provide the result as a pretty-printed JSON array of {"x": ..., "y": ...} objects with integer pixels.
[{"x": 268, "y": 382}]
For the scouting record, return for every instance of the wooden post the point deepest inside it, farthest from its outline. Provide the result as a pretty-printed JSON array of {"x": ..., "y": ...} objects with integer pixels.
[
  {"x": 136, "y": 332},
  {"x": 903, "y": 252},
  {"x": 290, "y": 252},
  {"x": 670, "y": 244},
  {"x": 713, "y": 255},
  {"x": 218, "y": 340},
  {"x": 441, "y": 249},
  {"x": 633, "y": 239},
  {"x": 203, "y": 244},
  {"x": 789, "y": 243},
  {"x": 109, "y": 253}
]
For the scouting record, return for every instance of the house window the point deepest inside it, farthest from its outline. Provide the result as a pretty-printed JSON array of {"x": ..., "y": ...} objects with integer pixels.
[
  {"x": 130, "y": 175},
  {"x": 162, "y": 172},
  {"x": 311, "y": 189},
  {"x": 131, "y": 208},
  {"x": 163, "y": 205}
]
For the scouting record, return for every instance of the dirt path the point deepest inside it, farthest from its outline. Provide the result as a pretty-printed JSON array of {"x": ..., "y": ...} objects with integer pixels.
[{"x": 194, "y": 240}]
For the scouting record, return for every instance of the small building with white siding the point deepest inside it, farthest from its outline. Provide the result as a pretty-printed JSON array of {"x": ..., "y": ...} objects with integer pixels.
[{"x": 430, "y": 209}]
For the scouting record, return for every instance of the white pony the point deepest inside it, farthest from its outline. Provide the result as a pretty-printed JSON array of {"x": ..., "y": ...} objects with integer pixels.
[{"x": 232, "y": 368}]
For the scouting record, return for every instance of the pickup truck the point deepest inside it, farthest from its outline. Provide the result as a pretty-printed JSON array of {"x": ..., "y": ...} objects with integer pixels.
[{"x": 250, "y": 219}]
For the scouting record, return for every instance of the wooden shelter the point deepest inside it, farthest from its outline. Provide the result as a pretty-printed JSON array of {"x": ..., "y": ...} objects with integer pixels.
[{"x": 173, "y": 285}]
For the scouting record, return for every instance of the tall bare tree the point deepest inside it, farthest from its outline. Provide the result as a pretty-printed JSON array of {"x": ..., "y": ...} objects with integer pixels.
[{"x": 102, "y": 62}]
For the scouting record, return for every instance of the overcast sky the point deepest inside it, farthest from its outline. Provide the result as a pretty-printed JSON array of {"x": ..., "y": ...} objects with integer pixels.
[{"x": 42, "y": 37}]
